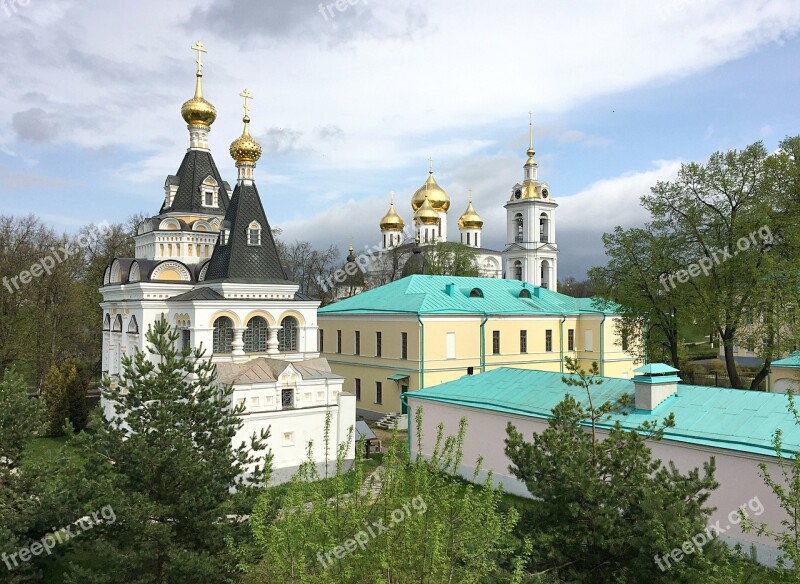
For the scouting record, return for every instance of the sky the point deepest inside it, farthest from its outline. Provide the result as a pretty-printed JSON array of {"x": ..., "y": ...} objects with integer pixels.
[{"x": 352, "y": 99}]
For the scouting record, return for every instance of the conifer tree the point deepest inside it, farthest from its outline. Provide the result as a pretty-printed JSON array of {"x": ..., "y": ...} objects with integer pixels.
[{"x": 179, "y": 488}]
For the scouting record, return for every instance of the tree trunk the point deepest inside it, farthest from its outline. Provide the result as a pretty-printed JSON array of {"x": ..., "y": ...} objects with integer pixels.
[
  {"x": 730, "y": 362},
  {"x": 761, "y": 374}
]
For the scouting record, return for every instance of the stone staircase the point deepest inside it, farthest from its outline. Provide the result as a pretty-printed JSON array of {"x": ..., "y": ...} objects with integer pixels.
[{"x": 387, "y": 422}]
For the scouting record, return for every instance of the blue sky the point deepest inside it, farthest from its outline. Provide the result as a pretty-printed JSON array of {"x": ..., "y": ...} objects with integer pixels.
[{"x": 350, "y": 108}]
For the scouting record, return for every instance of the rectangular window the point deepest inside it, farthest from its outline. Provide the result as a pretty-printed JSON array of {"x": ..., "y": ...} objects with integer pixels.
[
  {"x": 588, "y": 341},
  {"x": 378, "y": 344},
  {"x": 548, "y": 340},
  {"x": 357, "y": 347},
  {"x": 186, "y": 338},
  {"x": 523, "y": 341},
  {"x": 571, "y": 340},
  {"x": 468, "y": 242},
  {"x": 451, "y": 346},
  {"x": 339, "y": 341},
  {"x": 378, "y": 392},
  {"x": 358, "y": 389},
  {"x": 321, "y": 340},
  {"x": 209, "y": 199},
  {"x": 624, "y": 342},
  {"x": 404, "y": 345},
  {"x": 495, "y": 342}
]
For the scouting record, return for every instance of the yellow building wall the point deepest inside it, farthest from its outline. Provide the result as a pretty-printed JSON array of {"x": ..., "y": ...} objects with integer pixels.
[
  {"x": 438, "y": 368},
  {"x": 782, "y": 377}
]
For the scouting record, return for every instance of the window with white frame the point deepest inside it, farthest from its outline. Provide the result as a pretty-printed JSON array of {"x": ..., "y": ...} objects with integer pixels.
[{"x": 254, "y": 233}]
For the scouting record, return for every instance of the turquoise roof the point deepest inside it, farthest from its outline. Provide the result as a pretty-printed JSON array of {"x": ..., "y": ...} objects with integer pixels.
[
  {"x": 792, "y": 360},
  {"x": 655, "y": 369},
  {"x": 733, "y": 419},
  {"x": 423, "y": 295}
]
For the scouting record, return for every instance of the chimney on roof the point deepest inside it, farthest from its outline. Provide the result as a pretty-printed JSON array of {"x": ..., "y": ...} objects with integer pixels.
[
  {"x": 653, "y": 384},
  {"x": 537, "y": 291},
  {"x": 450, "y": 289}
]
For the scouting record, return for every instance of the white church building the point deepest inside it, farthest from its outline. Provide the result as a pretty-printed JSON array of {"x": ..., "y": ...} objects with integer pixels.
[
  {"x": 530, "y": 253},
  {"x": 208, "y": 263}
]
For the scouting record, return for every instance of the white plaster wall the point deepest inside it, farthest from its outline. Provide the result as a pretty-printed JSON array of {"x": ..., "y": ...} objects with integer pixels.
[{"x": 736, "y": 472}]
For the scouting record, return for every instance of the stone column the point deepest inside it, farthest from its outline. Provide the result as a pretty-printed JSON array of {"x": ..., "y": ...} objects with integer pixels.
[{"x": 272, "y": 340}]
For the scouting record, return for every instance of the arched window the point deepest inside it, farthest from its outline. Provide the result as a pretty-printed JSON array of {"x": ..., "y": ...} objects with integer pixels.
[
  {"x": 287, "y": 335},
  {"x": 524, "y": 293},
  {"x": 544, "y": 228},
  {"x": 518, "y": 270},
  {"x": 545, "y": 274},
  {"x": 117, "y": 324},
  {"x": 133, "y": 326},
  {"x": 254, "y": 233},
  {"x": 255, "y": 335},
  {"x": 476, "y": 293},
  {"x": 223, "y": 335},
  {"x": 518, "y": 220},
  {"x": 107, "y": 323}
]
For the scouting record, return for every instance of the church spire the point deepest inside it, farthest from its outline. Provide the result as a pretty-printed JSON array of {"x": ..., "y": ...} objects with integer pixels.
[
  {"x": 198, "y": 112},
  {"x": 245, "y": 150},
  {"x": 531, "y": 167}
]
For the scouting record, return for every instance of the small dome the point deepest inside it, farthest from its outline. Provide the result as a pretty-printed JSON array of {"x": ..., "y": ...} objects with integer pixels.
[
  {"x": 392, "y": 221},
  {"x": 436, "y": 195},
  {"x": 198, "y": 111},
  {"x": 426, "y": 214},
  {"x": 470, "y": 219},
  {"x": 245, "y": 150}
]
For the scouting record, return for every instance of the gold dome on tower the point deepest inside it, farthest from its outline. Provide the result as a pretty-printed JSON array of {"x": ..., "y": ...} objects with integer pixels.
[
  {"x": 436, "y": 195},
  {"x": 245, "y": 149},
  {"x": 470, "y": 218},
  {"x": 198, "y": 111},
  {"x": 392, "y": 221},
  {"x": 426, "y": 214}
]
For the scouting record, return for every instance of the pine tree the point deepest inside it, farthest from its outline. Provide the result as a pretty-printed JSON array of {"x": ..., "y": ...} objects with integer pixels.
[
  {"x": 166, "y": 465},
  {"x": 603, "y": 506}
]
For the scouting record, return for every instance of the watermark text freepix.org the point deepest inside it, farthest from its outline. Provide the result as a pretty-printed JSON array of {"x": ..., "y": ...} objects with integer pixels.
[
  {"x": 105, "y": 515},
  {"x": 48, "y": 263},
  {"x": 373, "y": 530},
  {"x": 697, "y": 542},
  {"x": 326, "y": 10},
  {"x": 716, "y": 257}
]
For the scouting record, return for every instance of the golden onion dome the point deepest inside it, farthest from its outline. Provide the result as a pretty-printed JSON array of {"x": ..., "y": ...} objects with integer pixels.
[
  {"x": 436, "y": 195},
  {"x": 470, "y": 219},
  {"x": 198, "y": 111},
  {"x": 245, "y": 150},
  {"x": 426, "y": 214},
  {"x": 392, "y": 221}
]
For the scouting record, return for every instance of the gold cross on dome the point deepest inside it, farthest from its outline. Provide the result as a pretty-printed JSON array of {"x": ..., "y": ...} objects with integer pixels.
[
  {"x": 247, "y": 97},
  {"x": 200, "y": 48},
  {"x": 430, "y": 159},
  {"x": 470, "y": 195}
]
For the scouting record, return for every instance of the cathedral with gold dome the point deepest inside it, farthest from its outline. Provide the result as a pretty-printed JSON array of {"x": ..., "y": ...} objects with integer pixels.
[
  {"x": 208, "y": 263},
  {"x": 530, "y": 253}
]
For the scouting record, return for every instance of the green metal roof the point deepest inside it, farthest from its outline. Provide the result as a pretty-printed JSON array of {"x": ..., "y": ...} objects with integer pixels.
[
  {"x": 733, "y": 419},
  {"x": 792, "y": 360},
  {"x": 655, "y": 369},
  {"x": 428, "y": 295}
]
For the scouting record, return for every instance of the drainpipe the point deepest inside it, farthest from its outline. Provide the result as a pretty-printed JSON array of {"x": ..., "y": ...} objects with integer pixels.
[
  {"x": 483, "y": 341},
  {"x": 561, "y": 336},
  {"x": 602, "y": 322},
  {"x": 421, "y": 352}
]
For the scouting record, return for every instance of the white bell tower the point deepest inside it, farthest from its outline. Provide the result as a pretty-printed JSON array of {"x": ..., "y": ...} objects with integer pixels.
[{"x": 531, "y": 253}]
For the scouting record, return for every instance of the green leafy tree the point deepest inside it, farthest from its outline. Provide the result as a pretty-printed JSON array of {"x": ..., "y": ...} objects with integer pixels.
[
  {"x": 64, "y": 393},
  {"x": 411, "y": 520},
  {"x": 450, "y": 258},
  {"x": 603, "y": 507},
  {"x": 635, "y": 283},
  {"x": 166, "y": 465}
]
